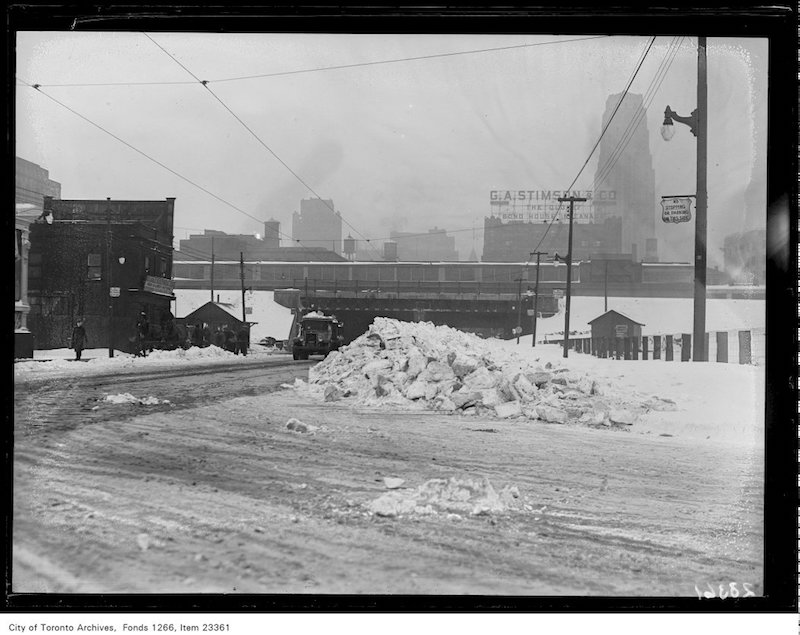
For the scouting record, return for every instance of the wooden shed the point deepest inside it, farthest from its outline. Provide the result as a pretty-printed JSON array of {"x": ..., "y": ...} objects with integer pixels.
[
  {"x": 216, "y": 316},
  {"x": 613, "y": 324}
]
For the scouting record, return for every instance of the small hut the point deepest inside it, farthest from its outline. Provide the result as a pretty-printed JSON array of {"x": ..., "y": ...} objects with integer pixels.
[
  {"x": 216, "y": 318},
  {"x": 613, "y": 324}
]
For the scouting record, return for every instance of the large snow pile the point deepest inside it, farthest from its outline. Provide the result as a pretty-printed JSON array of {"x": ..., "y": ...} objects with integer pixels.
[{"x": 419, "y": 365}]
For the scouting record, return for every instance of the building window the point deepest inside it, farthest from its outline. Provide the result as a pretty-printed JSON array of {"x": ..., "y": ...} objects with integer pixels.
[
  {"x": 35, "y": 266},
  {"x": 94, "y": 267}
]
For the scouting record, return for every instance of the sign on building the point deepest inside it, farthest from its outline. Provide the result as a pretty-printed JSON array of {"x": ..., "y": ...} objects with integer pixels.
[
  {"x": 542, "y": 206},
  {"x": 676, "y": 209},
  {"x": 114, "y": 292},
  {"x": 621, "y": 330},
  {"x": 558, "y": 293},
  {"x": 162, "y": 286}
]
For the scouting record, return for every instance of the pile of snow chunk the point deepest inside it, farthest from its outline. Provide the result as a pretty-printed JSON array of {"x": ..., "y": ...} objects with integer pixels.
[
  {"x": 126, "y": 397},
  {"x": 419, "y": 365},
  {"x": 454, "y": 495}
]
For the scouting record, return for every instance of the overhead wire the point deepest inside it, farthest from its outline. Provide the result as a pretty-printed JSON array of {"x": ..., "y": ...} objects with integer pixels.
[
  {"x": 366, "y": 239},
  {"x": 330, "y": 68},
  {"x": 602, "y": 133},
  {"x": 37, "y": 87},
  {"x": 655, "y": 84},
  {"x": 260, "y": 141}
]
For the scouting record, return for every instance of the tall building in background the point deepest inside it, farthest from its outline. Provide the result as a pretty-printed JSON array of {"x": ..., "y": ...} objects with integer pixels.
[
  {"x": 318, "y": 225},
  {"x": 32, "y": 183},
  {"x": 434, "y": 246},
  {"x": 272, "y": 233},
  {"x": 625, "y": 168}
]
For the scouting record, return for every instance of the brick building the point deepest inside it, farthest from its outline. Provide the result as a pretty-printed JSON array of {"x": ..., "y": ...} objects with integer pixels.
[
  {"x": 513, "y": 241},
  {"x": 89, "y": 249},
  {"x": 435, "y": 246},
  {"x": 225, "y": 246}
]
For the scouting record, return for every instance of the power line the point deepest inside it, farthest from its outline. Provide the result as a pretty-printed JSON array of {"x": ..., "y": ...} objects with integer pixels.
[
  {"x": 407, "y": 59},
  {"x": 257, "y": 138},
  {"x": 608, "y": 123},
  {"x": 652, "y": 90},
  {"x": 157, "y": 162},
  {"x": 657, "y": 79},
  {"x": 329, "y": 68}
]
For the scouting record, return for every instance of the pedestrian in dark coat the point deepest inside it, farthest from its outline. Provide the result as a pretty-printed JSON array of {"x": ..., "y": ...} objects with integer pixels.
[
  {"x": 241, "y": 341},
  {"x": 142, "y": 333},
  {"x": 78, "y": 339},
  {"x": 230, "y": 340},
  {"x": 197, "y": 335},
  {"x": 219, "y": 338}
]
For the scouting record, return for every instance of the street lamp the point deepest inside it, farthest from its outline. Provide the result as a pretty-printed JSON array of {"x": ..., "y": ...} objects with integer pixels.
[{"x": 697, "y": 123}]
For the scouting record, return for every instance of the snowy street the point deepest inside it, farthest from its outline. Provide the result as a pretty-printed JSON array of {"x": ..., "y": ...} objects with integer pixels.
[{"x": 213, "y": 477}]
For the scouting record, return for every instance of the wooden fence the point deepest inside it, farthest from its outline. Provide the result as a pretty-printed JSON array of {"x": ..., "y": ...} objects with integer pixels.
[{"x": 742, "y": 347}]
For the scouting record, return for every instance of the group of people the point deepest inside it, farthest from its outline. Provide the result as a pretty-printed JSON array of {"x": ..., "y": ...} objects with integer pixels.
[
  {"x": 199, "y": 335},
  {"x": 222, "y": 336}
]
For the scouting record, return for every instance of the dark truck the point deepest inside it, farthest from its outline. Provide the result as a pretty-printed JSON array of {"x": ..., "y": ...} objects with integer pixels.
[{"x": 317, "y": 335}]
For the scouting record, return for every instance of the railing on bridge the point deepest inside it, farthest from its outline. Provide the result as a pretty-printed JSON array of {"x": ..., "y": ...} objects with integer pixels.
[{"x": 424, "y": 289}]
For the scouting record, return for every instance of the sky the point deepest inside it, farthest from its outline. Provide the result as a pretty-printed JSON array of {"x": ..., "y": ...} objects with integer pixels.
[{"x": 407, "y": 145}]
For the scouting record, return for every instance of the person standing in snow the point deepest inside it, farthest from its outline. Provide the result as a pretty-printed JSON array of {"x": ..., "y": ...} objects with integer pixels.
[
  {"x": 78, "y": 339},
  {"x": 142, "y": 331},
  {"x": 241, "y": 341},
  {"x": 197, "y": 335}
]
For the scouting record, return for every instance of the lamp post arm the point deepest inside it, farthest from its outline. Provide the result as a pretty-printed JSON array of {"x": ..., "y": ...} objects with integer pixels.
[{"x": 690, "y": 121}]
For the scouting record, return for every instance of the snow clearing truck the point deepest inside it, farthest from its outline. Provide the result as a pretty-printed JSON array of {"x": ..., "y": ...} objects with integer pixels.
[{"x": 317, "y": 335}]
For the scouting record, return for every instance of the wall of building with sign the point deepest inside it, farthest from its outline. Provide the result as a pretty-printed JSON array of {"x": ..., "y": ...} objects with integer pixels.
[
  {"x": 513, "y": 242},
  {"x": 79, "y": 260}
]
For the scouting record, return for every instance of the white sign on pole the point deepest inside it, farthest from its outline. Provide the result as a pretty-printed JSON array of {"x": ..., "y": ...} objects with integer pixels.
[
  {"x": 676, "y": 209},
  {"x": 114, "y": 292}
]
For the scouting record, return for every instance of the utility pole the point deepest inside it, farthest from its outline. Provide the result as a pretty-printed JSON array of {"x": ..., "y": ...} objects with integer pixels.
[
  {"x": 241, "y": 276},
  {"x": 605, "y": 290},
  {"x": 108, "y": 281},
  {"x": 538, "y": 254},
  {"x": 519, "y": 308},
  {"x": 701, "y": 220},
  {"x": 698, "y": 125},
  {"x": 212, "y": 268},
  {"x": 571, "y": 200}
]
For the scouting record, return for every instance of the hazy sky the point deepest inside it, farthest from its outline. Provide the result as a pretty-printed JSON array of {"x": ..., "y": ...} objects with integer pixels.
[{"x": 407, "y": 145}]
